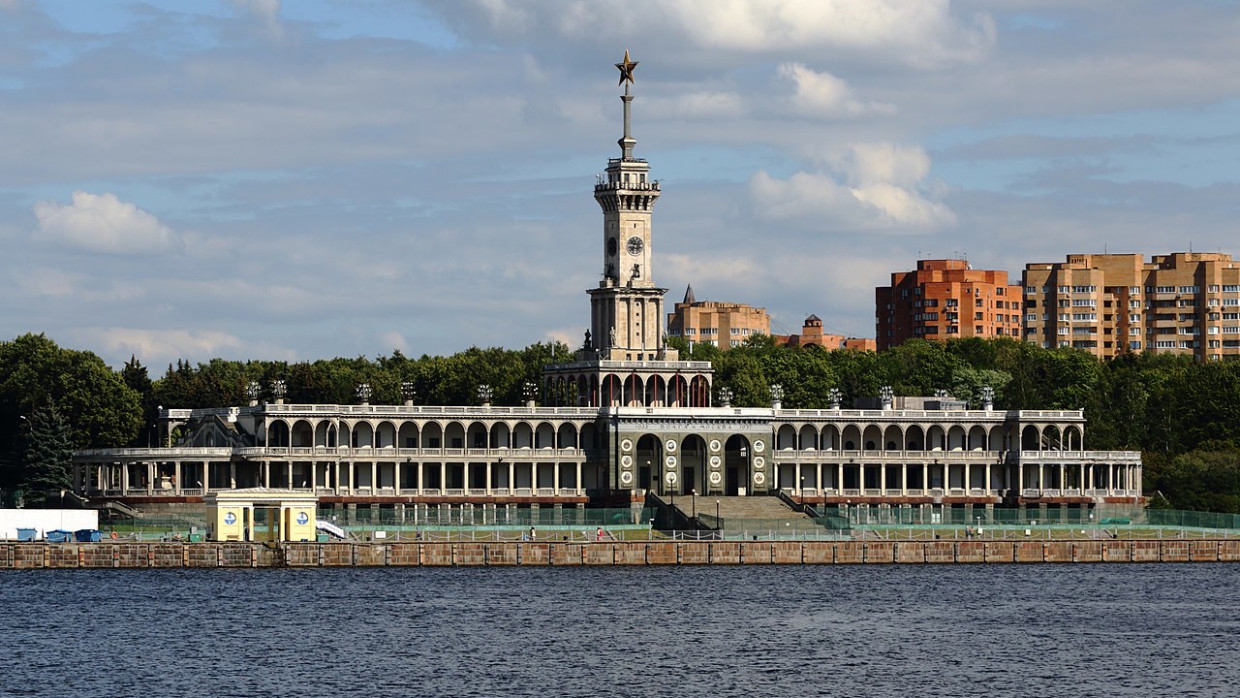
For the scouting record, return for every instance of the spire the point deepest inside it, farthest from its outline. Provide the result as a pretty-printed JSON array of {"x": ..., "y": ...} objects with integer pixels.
[
  {"x": 626, "y": 141},
  {"x": 689, "y": 299}
]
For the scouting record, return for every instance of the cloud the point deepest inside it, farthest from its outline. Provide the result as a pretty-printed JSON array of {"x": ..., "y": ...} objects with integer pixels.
[
  {"x": 823, "y": 94},
  {"x": 266, "y": 10},
  {"x": 923, "y": 33},
  {"x": 880, "y": 192},
  {"x": 157, "y": 346},
  {"x": 102, "y": 223}
]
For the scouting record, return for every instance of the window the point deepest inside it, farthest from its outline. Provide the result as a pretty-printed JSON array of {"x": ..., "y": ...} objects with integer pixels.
[
  {"x": 1231, "y": 302},
  {"x": 1031, "y": 317},
  {"x": 977, "y": 316},
  {"x": 1084, "y": 316},
  {"x": 1063, "y": 289},
  {"x": 952, "y": 302},
  {"x": 1164, "y": 289},
  {"x": 1134, "y": 290},
  {"x": 1187, "y": 289},
  {"x": 1031, "y": 289},
  {"x": 1134, "y": 304},
  {"x": 1134, "y": 331},
  {"x": 999, "y": 291},
  {"x": 952, "y": 329},
  {"x": 1231, "y": 288},
  {"x": 1134, "y": 317},
  {"x": 1164, "y": 344},
  {"x": 1213, "y": 288},
  {"x": 1083, "y": 303},
  {"x": 1134, "y": 345},
  {"x": 1084, "y": 289}
]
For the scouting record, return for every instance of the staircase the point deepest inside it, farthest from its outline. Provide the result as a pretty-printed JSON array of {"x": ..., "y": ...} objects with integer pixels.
[{"x": 760, "y": 513}]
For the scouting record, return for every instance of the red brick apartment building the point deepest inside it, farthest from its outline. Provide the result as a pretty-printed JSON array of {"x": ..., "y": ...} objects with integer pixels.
[{"x": 944, "y": 299}]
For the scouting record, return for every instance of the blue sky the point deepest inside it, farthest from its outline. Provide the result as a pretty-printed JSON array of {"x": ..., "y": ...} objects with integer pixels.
[{"x": 302, "y": 180}]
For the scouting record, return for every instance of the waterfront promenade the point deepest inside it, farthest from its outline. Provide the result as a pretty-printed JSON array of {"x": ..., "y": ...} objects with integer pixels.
[{"x": 146, "y": 555}]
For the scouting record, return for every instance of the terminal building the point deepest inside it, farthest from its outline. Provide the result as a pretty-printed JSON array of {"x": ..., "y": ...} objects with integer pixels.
[{"x": 630, "y": 424}]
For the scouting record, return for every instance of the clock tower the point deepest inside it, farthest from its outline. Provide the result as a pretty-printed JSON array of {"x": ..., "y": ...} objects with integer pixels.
[{"x": 626, "y": 310}]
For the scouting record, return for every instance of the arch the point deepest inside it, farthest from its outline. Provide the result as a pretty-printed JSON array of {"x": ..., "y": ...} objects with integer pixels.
[
  {"x": 786, "y": 438},
  {"x": 872, "y": 438},
  {"x": 566, "y": 436},
  {"x": 648, "y": 458},
  {"x": 385, "y": 434},
  {"x": 1073, "y": 438},
  {"x": 594, "y": 395},
  {"x": 476, "y": 435},
  {"x": 977, "y": 438},
  {"x": 523, "y": 435},
  {"x": 1052, "y": 439},
  {"x": 325, "y": 434},
  {"x": 914, "y": 438},
  {"x": 302, "y": 434},
  {"x": 956, "y": 438},
  {"x": 634, "y": 389},
  {"x": 454, "y": 435},
  {"x": 1030, "y": 437},
  {"x": 699, "y": 392},
  {"x": 851, "y": 438},
  {"x": 830, "y": 438},
  {"x": 407, "y": 435},
  {"x": 736, "y": 453},
  {"x": 432, "y": 435},
  {"x": 936, "y": 438},
  {"x": 808, "y": 438},
  {"x": 997, "y": 439},
  {"x": 501, "y": 435},
  {"x": 656, "y": 391},
  {"x": 277, "y": 433},
  {"x": 693, "y": 465},
  {"x": 678, "y": 391},
  {"x": 362, "y": 436},
  {"x": 611, "y": 390},
  {"x": 893, "y": 438},
  {"x": 544, "y": 435}
]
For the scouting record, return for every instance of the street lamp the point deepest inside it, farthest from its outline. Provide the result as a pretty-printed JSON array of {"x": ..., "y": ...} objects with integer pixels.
[
  {"x": 693, "y": 495},
  {"x": 717, "y": 514}
]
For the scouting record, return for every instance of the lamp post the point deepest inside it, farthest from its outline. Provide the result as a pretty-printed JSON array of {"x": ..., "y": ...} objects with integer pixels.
[
  {"x": 693, "y": 496},
  {"x": 717, "y": 514}
]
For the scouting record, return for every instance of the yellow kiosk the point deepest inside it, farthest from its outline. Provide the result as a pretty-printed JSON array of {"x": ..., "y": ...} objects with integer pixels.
[{"x": 261, "y": 514}]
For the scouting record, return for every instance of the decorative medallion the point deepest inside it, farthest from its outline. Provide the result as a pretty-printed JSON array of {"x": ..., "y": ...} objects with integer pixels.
[
  {"x": 759, "y": 477},
  {"x": 716, "y": 478},
  {"x": 758, "y": 461},
  {"x": 671, "y": 461},
  {"x": 626, "y": 478},
  {"x": 626, "y": 445},
  {"x": 758, "y": 446},
  {"x": 714, "y": 444},
  {"x": 671, "y": 445},
  {"x": 671, "y": 478},
  {"x": 626, "y": 460},
  {"x": 715, "y": 461}
]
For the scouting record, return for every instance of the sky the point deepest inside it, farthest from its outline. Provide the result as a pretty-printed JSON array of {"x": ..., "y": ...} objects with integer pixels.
[{"x": 306, "y": 179}]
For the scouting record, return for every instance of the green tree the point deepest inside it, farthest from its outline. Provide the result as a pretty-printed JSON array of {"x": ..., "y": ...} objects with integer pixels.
[{"x": 48, "y": 458}]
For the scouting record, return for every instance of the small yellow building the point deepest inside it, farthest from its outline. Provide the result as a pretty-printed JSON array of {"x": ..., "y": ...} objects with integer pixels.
[{"x": 261, "y": 514}]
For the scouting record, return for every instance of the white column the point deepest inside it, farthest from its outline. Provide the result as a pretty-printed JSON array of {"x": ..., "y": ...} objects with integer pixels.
[
  {"x": 904, "y": 479},
  {"x": 488, "y": 477},
  {"x": 512, "y": 482},
  {"x": 555, "y": 478}
]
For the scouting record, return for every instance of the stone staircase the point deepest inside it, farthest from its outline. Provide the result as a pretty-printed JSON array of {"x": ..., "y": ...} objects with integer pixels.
[{"x": 740, "y": 513}]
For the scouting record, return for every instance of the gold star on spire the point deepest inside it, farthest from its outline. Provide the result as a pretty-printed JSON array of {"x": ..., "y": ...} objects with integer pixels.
[{"x": 626, "y": 68}]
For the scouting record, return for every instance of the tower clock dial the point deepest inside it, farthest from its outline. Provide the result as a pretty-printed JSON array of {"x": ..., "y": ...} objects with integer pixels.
[{"x": 635, "y": 245}]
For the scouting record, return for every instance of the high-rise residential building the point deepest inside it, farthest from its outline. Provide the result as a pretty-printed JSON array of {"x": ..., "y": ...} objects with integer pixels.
[
  {"x": 1108, "y": 304},
  {"x": 724, "y": 325},
  {"x": 945, "y": 299}
]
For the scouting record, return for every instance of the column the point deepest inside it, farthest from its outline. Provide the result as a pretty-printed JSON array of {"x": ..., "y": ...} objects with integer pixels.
[
  {"x": 986, "y": 485},
  {"x": 839, "y": 477},
  {"x": 1020, "y": 478},
  {"x": 555, "y": 478},
  {"x": 488, "y": 477},
  {"x": 206, "y": 477},
  {"x": 374, "y": 477},
  {"x": 512, "y": 482},
  {"x": 396, "y": 473},
  {"x": 904, "y": 479},
  {"x": 800, "y": 483},
  {"x": 580, "y": 485},
  {"x": 314, "y": 476},
  {"x": 882, "y": 477}
]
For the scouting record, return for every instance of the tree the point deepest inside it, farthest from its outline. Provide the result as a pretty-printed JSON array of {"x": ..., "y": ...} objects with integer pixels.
[{"x": 48, "y": 459}]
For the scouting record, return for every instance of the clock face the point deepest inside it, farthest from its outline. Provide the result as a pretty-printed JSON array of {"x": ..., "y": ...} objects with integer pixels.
[
  {"x": 612, "y": 246},
  {"x": 635, "y": 245}
]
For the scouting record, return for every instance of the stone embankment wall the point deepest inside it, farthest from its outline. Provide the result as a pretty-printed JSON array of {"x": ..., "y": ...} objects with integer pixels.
[{"x": 135, "y": 555}]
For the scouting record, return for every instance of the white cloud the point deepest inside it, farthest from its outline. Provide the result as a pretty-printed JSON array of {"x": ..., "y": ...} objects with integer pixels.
[
  {"x": 266, "y": 10},
  {"x": 102, "y": 223},
  {"x": 395, "y": 340},
  {"x": 920, "y": 32},
  {"x": 823, "y": 94},
  {"x": 880, "y": 192},
  {"x": 154, "y": 347}
]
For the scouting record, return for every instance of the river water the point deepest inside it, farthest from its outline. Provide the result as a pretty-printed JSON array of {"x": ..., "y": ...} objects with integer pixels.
[{"x": 950, "y": 630}]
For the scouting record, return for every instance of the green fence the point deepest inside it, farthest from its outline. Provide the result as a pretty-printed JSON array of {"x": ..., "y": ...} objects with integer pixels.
[{"x": 1111, "y": 517}]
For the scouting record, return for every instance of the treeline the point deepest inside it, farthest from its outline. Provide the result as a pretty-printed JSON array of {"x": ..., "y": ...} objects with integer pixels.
[{"x": 1184, "y": 415}]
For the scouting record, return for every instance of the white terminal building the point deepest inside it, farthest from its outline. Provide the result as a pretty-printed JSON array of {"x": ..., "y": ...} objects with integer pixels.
[{"x": 639, "y": 423}]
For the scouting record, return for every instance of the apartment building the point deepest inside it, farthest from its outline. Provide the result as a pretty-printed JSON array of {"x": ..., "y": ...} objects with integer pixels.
[
  {"x": 1108, "y": 304},
  {"x": 944, "y": 299},
  {"x": 812, "y": 332},
  {"x": 724, "y": 325}
]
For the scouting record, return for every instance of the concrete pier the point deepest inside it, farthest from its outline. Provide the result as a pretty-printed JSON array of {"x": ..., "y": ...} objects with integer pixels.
[{"x": 140, "y": 555}]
